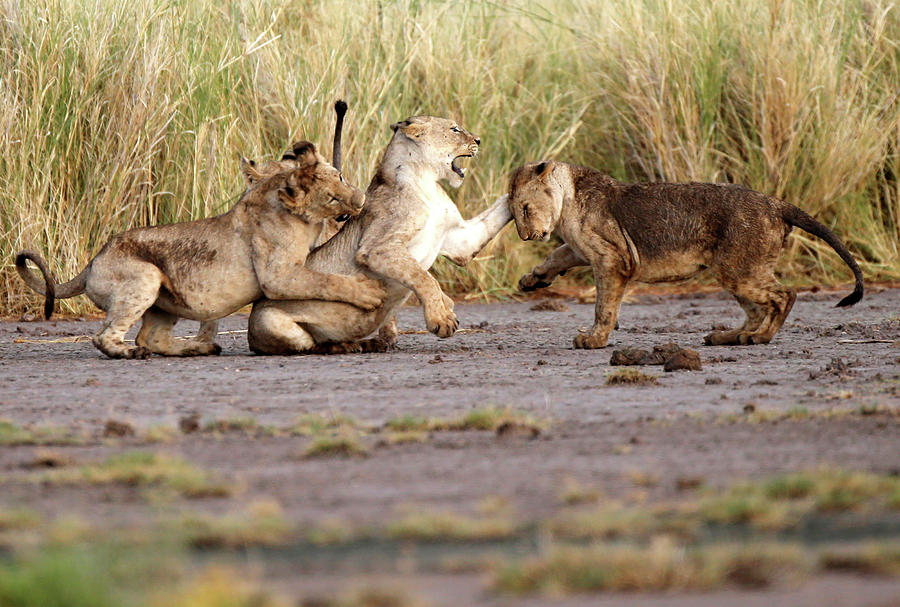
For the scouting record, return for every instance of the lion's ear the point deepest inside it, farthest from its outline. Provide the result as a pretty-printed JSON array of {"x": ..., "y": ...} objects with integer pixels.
[
  {"x": 543, "y": 168},
  {"x": 303, "y": 152},
  {"x": 248, "y": 170},
  {"x": 292, "y": 197},
  {"x": 413, "y": 130}
]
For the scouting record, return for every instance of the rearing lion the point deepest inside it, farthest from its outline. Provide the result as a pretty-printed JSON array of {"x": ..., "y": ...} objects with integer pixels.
[{"x": 407, "y": 222}]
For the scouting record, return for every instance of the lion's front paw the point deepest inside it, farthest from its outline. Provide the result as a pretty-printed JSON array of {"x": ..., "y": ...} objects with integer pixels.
[
  {"x": 443, "y": 324},
  {"x": 369, "y": 294},
  {"x": 586, "y": 341},
  {"x": 530, "y": 282}
]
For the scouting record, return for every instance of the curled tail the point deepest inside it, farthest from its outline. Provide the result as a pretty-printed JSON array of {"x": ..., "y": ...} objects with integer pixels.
[
  {"x": 48, "y": 288},
  {"x": 796, "y": 217}
]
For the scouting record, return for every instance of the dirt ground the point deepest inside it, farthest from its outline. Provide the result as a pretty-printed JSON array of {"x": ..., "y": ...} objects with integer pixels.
[{"x": 606, "y": 437}]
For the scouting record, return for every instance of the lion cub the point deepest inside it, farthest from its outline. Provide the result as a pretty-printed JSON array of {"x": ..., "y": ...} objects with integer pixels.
[
  {"x": 661, "y": 232},
  {"x": 206, "y": 269}
]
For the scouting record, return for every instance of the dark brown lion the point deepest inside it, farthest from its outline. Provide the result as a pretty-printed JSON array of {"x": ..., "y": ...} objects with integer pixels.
[{"x": 660, "y": 232}]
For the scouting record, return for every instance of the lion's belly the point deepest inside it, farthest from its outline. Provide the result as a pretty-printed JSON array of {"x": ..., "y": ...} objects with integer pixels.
[
  {"x": 674, "y": 266},
  {"x": 210, "y": 296}
]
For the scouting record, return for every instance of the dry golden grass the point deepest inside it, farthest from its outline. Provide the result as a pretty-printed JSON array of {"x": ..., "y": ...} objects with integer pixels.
[{"x": 115, "y": 115}]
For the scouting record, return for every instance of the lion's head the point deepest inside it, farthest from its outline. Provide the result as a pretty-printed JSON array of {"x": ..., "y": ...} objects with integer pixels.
[
  {"x": 437, "y": 143},
  {"x": 304, "y": 184},
  {"x": 535, "y": 200}
]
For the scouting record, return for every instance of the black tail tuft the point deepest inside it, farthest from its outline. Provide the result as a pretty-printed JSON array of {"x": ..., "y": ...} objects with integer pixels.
[
  {"x": 852, "y": 298},
  {"x": 49, "y": 286},
  {"x": 340, "y": 108},
  {"x": 798, "y": 218}
]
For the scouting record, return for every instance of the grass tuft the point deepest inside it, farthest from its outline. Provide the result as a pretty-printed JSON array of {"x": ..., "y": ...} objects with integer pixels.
[
  {"x": 336, "y": 446},
  {"x": 629, "y": 376},
  {"x": 444, "y": 526},
  {"x": 141, "y": 469},
  {"x": 663, "y": 566}
]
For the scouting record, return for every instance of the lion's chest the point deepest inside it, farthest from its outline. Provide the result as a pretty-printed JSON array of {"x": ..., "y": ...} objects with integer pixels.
[{"x": 439, "y": 214}]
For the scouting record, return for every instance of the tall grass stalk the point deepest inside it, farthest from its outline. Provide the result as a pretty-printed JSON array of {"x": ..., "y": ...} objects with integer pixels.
[{"x": 122, "y": 114}]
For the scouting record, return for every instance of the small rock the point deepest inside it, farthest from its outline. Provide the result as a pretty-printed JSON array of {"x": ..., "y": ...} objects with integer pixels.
[
  {"x": 749, "y": 408},
  {"x": 437, "y": 359},
  {"x": 29, "y": 317},
  {"x": 713, "y": 381},
  {"x": 189, "y": 423},
  {"x": 629, "y": 356},
  {"x": 664, "y": 352},
  {"x": 117, "y": 428},
  {"x": 683, "y": 360}
]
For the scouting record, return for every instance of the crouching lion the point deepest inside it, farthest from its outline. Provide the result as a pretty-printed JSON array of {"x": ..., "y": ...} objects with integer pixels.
[
  {"x": 407, "y": 222},
  {"x": 206, "y": 269},
  {"x": 661, "y": 232}
]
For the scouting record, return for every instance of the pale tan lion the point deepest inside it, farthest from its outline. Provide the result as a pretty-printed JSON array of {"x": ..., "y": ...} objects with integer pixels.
[
  {"x": 655, "y": 232},
  {"x": 408, "y": 221},
  {"x": 206, "y": 269}
]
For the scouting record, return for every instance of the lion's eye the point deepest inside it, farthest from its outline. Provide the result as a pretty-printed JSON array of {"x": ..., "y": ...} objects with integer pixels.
[
  {"x": 455, "y": 129},
  {"x": 525, "y": 211}
]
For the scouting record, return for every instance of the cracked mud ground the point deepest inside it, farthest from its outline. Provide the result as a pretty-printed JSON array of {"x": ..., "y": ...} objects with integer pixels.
[{"x": 689, "y": 425}]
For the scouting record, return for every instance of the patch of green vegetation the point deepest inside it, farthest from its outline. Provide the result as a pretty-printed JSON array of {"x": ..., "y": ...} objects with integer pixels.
[
  {"x": 344, "y": 445},
  {"x": 57, "y": 579},
  {"x": 409, "y": 423},
  {"x": 616, "y": 521},
  {"x": 314, "y": 424},
  {"x": 481, "y": 418},
  {"x": 442, "y": 526},
  {"x": 573, "y": 493},
  {"x": 367, "y": 597},
  {"x": 755, "y": 415},
  {"x": 661, "y": 566},
  {"x": 263, "y": 524},
  {"x": 245, "y": 424},
  {"x": 12, "y": 434},
  {"x": 18, "y": 518},
  {"x": 868, "y": 559},
  {"x": 773, "y": 504},
  {"x": 141, "y": 469},
  {"x": 628, "y": 376},
  {"x": 403, "y": 437}
]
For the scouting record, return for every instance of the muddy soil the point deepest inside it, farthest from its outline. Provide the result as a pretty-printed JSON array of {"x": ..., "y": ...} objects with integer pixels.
[{"x": 689, "y": 425}]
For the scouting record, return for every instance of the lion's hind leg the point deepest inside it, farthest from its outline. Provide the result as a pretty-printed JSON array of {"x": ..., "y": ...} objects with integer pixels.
[
  {"x": 274, "y": 331},
  {"x": 121, "y": 314},
  {"x": 156, "y": 335},
  {"x": 766, "y": 304}
]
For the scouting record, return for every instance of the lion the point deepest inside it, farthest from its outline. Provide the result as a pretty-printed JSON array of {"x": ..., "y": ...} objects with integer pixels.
[
  {"x": 661, "y": 232},
  {"x": 408, "y": 220},
  {"x": 209, "y": 268}
]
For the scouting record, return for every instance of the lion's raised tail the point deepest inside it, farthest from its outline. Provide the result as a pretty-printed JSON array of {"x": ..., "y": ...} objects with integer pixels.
[
  {"x": 797, "y": 217},
  {"x": 48, "y": 288}
]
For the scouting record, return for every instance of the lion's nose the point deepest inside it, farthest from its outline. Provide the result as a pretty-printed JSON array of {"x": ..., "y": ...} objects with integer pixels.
[{"x": 478, "y": 141}]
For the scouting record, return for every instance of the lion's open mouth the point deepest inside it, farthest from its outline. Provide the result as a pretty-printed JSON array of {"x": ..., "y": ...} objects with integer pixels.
[{"x": 458, "y": 169}]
